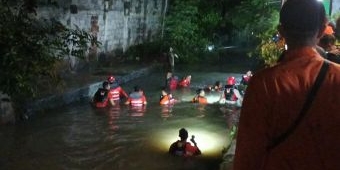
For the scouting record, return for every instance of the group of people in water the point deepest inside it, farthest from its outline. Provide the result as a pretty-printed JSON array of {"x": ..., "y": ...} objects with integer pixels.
[
  {"x": 111, "y": 94},
  {"x": 229, "y": 93},
  {"x": 274, "y": 129}
]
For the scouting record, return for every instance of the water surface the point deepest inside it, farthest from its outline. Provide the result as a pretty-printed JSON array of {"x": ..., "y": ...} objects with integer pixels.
[{"x": 119, "y": 138}]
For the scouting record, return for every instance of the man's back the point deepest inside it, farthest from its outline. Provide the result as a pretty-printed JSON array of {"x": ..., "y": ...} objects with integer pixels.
[
  {"x": 183, "y": 148},
  {"x": 284, "y": 88},
  {"x": 275, "y": 98}
]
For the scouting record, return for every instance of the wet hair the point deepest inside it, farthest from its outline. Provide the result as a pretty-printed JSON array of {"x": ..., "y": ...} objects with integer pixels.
[
  {"x": 302, "y": 18},
  {"x": 183, "y": 133},
  {"x": 217, "y": 83},
  {"x": 326, "y": 39},
  {"x": 198, "y": 91},
  {"x": 105, "y": 83},
  {"x": 229, "y": 86},
  {"x": 136, "y": 88}
]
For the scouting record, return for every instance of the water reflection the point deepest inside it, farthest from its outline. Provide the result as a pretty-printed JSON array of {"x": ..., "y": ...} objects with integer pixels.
[
  {"x": 113, "y": 116},
  {"x": 232, "y": 115},
  {"x": 137, "y": 111},
  {"x": 166, "y": 111},
  {"x": 120, "y": 138}
]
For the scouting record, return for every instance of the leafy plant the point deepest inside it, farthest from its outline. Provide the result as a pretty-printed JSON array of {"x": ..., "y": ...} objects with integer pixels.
[
  {"x": 271, "y": 45},
  {"x": 270, "y": 51},
  {"x": 31, "y": 49},
  {"x": 189, "y": 28},
  {"x": 256, "y": 21}
]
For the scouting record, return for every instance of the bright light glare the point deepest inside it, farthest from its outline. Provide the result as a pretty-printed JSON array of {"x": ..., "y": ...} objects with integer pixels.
[
  {"x": 210, "y": 142},
  {"x": 187, "y": 97},
  {"x": 211, "y": 47},
  {"x": 213, "y": 98}
]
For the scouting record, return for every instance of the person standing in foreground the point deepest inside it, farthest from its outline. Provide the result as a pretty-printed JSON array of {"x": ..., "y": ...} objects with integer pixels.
[
  {"x": 182, "y": 147},
  {"x": 276, "y": 95}
]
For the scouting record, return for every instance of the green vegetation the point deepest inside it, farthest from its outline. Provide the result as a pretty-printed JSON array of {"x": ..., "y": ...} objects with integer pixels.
[
  {"x": 256, "y": 22},
  {"x": 31, "y": 50},
  {"x": 193, "y": 24},
  {"x": 189, "y": 28}
]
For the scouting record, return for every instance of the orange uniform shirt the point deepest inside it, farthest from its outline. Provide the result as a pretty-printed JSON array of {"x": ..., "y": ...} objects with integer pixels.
[
  {"x": 167, "y": 100},
  {"x": 272, "y": 103}
]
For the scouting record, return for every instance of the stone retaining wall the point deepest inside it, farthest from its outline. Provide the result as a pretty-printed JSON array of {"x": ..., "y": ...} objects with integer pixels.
[
  {"x": 118, "y": 24},
  {"x": 82, "y": 94}
]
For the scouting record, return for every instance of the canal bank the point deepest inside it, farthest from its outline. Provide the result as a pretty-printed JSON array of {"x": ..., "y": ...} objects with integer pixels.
[
  {"x": 80, "y": 137},
  {"x": 83, "y": 93}
]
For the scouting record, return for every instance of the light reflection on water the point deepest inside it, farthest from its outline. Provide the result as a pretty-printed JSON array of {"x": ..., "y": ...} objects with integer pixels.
[{"x": 80, "y": 137}]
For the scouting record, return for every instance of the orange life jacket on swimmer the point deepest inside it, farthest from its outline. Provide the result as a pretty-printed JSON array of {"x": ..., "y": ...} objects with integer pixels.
[
  {"x": 200, "y": 99},
  {"x": 136, "y": 99},
  {"x": 166, "y": 99},
  {"x": 116, "y": 93},
  {"x": 101, "y": 98}
]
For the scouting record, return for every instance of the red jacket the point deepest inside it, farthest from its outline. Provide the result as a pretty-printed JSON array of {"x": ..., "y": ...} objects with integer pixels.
[
  {"x": 173, "y": 83},
  {"x": 179, "y": 148},
  {"x": 184, "y": 83},
  {"x": 117, "y": 92}
]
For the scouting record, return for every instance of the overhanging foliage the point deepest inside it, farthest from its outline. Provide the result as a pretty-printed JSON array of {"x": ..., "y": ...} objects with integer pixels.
[
  {"x": 30, "y": 49},
  {"x": 190, "y": 28}
]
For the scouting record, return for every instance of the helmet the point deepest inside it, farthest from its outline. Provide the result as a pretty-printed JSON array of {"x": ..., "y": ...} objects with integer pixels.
[
  {"x": 111, "y": 79},
  {"x": 231, "y": 81}
]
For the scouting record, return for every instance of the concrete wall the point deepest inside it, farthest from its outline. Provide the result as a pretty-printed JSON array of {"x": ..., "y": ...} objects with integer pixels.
[{"x": 118, "y": 24}]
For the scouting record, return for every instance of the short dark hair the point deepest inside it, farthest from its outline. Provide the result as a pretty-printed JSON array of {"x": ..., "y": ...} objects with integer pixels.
[
  {"x": 327, "y": 39},
  {"x": 105, "y": 83},
  {"x": 302, "y": 17},
  {"x": 198, "y": 91},
  {"x": 183, "y": 133},
  {"x": 137, "y": 88}
]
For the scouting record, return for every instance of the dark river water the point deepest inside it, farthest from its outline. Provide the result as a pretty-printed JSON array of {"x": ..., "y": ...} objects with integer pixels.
[{"x": 118, "y": 138}]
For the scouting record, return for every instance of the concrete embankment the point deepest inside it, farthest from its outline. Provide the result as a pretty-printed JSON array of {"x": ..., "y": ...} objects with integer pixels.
[{"x": 81, "y": 94}]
